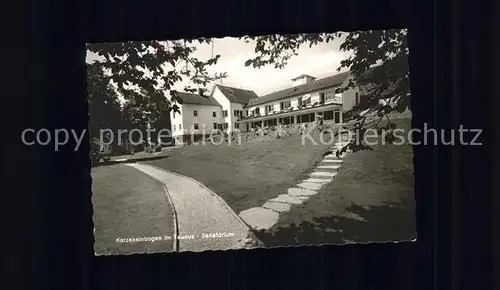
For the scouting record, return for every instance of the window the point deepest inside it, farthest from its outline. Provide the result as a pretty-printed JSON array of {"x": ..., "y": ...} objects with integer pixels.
[
  {"x": 246, "y": 113},
  {"x": 174, "y": 127},
  {"x": 268, "y": 109},
  {"x": 322, "y": 97},
  {"x": 195, "y": 113},
  {"x": 257, "y": 111},
  {"x": 196, "y": 126},
  {"x": 299, "y": 102},
  {"x": 224, "y": 126},
  {"x": 236, "y": 125},
  {"x": 180, "y": 127},
  {"x": 328, "y": 115},
  {"x": 235, "y": 112},
  {"x": 287, "y": 104},
  {"x": 215, "y": 126},
  {"x": 224, "y": 113},
  {"x": 214, "y": 114},
  {"x": 337, "y": 117},
  {"x": 357, "y": 99}
]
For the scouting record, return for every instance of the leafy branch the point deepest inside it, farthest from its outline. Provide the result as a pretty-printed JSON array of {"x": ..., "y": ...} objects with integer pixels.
[
  {"x": 378, "y": 60},
  {"x": 378, "y": 63},
  {"x": 152, "y": 68}
]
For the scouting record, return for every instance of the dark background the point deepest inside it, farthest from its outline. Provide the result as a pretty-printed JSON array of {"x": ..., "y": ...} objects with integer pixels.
[{"x": 47, "y": 205}]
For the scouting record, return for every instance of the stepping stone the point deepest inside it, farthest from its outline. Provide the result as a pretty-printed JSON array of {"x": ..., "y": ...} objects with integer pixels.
[
  {"x": 333, "y": 167},
  {"x": 317, "y": 180},
  {"x": 332, "y": 160},
  {"x": 259, "y": 218},
  {"x": 309, "y": 185},
  {"x": 301, "y": 192},
  {"x": 277, "y": 206},
  {"x": 285, "y": 198},
  {"x": 323, "y": 174}
]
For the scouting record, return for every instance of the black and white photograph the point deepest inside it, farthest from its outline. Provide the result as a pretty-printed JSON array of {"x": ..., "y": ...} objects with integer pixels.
[{"x": 251, "y": 142}]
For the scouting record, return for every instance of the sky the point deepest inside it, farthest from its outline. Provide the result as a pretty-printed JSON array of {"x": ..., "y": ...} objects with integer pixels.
[{"x": 319, "y": 61}]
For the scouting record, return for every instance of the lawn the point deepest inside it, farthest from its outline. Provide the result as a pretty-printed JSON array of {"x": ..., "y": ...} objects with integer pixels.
[
  {"x": 249, "y": 174},
  {"x": 370, "y": 199},
  {"x": 129, "y": 204}
]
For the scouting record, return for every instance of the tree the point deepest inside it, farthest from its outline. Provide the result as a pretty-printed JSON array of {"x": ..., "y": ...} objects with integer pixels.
[
  {"x": 386, "y": 48},
  {"x": 138, "y": 70},
  {"x": 378, "y": 63},
  {"x": 104, "y": 105}
]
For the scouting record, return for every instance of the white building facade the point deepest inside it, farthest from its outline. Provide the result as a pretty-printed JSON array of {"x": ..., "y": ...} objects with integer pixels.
[
  {"x": 307, "y": 99},
  {"x": 228, "y": 109},
  {"x": 200, "y": 115}
]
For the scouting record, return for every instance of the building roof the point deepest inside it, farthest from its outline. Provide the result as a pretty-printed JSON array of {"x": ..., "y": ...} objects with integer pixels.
[
  {"x": 237, "y": 95},
  {"x": 332, "y": 81},
  {"x": 195, "y": 99},
  {"x": 303, "y": 76}
]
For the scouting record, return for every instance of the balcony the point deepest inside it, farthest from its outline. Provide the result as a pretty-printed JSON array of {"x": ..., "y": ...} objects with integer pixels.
[{"x": 316, "y": 106}]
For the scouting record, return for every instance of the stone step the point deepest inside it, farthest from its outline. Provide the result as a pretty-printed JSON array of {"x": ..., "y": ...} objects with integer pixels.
[
  {"x": 333, "y": 157},
  {"x": 322, "y": 174},
  {"x": 332, "y": 161},
  {"x": 310, "y": 185},
  {"x": 333, "y": 167},
  {"x": 320, "y": 181},
  {"x": 260, "y": 218},
  {"x": 277, "y": 206},
  {"x": 329, "y": 170},
  {"x": 301, "y": 192},
  {"x": 285, "y": 198}
]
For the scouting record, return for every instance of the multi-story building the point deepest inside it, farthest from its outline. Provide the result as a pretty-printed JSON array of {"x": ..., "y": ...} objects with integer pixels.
[
  {"x": 200, "y": 114},
  {"x": 227, "y": 108},
  {"x": 302, "y": 102}
]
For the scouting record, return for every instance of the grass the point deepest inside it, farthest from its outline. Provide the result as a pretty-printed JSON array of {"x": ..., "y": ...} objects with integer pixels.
[
  {"x": 370, "y": 199},
  {"x": 249, "y": 174},
  {"x": 127, "y": 204}
]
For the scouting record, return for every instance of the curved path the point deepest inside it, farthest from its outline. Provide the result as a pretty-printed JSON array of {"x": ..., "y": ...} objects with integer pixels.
[{"x": 204, "y": 220}]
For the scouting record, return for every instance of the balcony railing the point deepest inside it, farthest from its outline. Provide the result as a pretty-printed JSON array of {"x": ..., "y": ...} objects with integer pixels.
[{"x": 287, "y": 110}]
